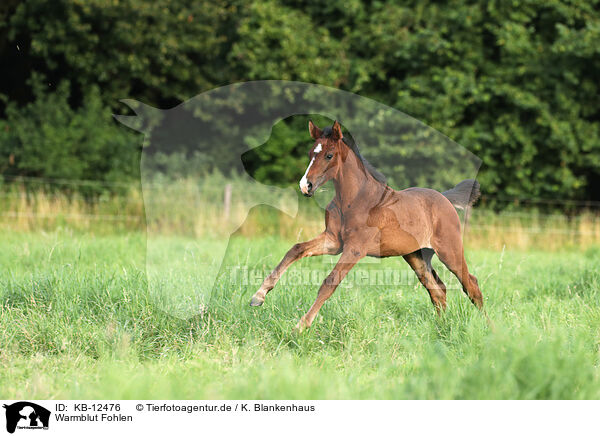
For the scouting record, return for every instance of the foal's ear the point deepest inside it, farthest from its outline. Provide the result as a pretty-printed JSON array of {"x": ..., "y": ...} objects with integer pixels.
[
  {"x": 336, "y": 131},
  {"x": 315, "y": 132}
]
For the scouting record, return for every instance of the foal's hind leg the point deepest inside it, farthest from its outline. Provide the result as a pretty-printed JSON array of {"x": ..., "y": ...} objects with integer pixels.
[
  {"x": 420, "y": 262},
  {"x": 451, "y": 254}
]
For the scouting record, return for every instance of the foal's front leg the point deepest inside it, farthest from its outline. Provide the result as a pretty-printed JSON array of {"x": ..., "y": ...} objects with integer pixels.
[
  {"x": 349, "y": 258},
  {"x": 325, "y": 243}
]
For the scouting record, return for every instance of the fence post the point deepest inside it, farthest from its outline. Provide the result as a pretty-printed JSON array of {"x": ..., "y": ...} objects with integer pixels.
[
  {"x": 467, "y": 215},
  {"x": 227, "y": 201}
]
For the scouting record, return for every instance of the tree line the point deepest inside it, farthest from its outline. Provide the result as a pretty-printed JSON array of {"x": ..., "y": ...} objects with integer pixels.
[{"x": 516, "y": 83}]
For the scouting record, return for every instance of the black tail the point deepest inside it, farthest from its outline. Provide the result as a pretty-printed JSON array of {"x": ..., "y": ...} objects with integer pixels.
[{"x": 463, "y": 195}]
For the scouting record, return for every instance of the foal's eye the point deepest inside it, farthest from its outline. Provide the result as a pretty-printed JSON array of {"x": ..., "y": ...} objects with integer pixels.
[{"x": 329, "y": 156}]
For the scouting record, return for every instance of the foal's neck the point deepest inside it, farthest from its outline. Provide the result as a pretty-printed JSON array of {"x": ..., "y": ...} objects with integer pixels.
[{"x": 354, "y": 185}]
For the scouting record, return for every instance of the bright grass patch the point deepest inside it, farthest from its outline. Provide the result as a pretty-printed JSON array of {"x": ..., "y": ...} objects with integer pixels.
[{"x": 78, "y": 322}]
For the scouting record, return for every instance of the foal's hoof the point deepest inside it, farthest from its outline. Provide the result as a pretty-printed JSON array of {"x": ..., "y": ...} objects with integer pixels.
[
  {"x": 256, "y": 301},
  {"x": 300, "y": 327}
]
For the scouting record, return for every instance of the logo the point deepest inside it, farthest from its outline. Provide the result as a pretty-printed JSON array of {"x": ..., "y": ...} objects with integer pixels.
[
  {"x": 26, "y": 415},
  {"x": 231, "y": 130}
]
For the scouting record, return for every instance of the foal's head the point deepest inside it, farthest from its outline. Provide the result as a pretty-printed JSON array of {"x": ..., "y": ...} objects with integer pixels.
[{"x": 326, "y": 156}]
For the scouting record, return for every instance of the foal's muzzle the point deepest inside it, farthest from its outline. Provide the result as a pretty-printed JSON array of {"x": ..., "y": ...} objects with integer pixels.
[
  {"x": 306, "y": 187},
  {"x": 309, "y": 191}
]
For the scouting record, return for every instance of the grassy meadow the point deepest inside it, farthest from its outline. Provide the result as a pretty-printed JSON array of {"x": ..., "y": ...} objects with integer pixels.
[{"x": 78, "y": 319}]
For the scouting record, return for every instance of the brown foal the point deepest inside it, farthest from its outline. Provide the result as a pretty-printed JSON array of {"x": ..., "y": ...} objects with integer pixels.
[{"x": 368, "y": 218}]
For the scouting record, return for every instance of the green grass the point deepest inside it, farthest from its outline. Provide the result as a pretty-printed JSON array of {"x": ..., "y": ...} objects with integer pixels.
[{"x": 78, "y": 322}]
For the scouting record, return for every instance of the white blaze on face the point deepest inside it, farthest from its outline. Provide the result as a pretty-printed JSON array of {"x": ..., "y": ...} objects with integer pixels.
[{"x": 303, "y": 181}]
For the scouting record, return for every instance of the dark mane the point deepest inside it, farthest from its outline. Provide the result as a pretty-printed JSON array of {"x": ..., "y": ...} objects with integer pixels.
[{"x": 352, "y": 145}]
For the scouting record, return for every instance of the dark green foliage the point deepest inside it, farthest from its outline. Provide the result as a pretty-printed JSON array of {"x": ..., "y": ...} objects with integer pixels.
[
  {"x": 514, "y": 82},
  {"x": 47, "y": 138},
  {"x": 283, "y": 158}
]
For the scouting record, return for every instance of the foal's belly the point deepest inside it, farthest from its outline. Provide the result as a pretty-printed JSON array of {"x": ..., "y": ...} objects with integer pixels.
[
  {"x": 396, "y": 242},
  {"x": 400, "y": 231}
]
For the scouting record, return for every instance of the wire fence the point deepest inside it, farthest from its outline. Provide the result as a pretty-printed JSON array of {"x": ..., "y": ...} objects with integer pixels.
[
  {"x": 41, "y": 199},
  {"x": 71, "y": 216}
]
